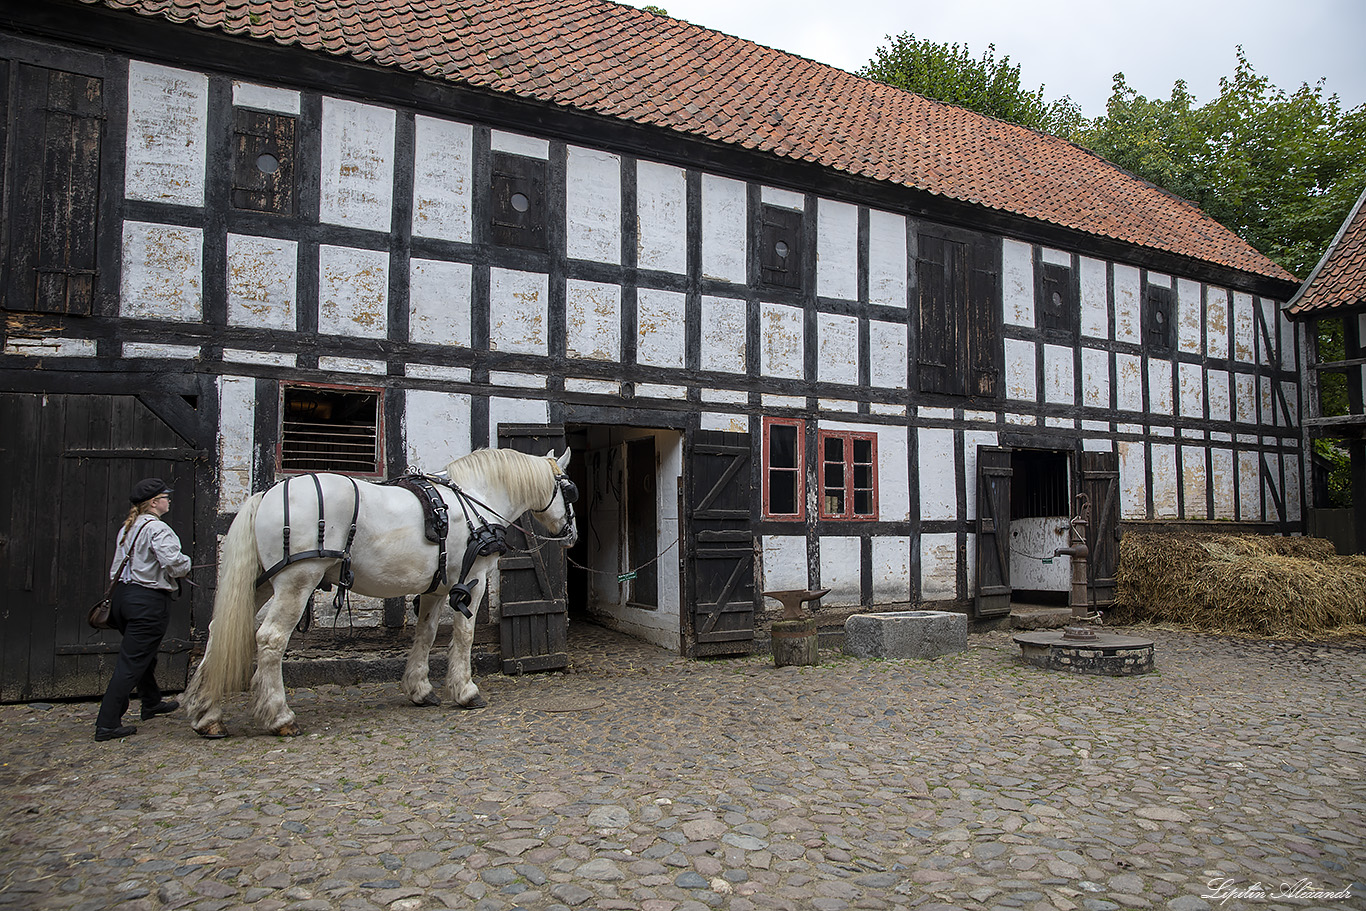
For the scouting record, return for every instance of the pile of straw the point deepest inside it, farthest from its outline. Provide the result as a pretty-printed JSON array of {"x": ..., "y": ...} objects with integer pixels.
[{"x": 1295, "y": 588}]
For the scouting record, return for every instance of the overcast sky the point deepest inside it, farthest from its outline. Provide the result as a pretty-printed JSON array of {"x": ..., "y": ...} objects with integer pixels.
[{"x": 1074, "y": 47}]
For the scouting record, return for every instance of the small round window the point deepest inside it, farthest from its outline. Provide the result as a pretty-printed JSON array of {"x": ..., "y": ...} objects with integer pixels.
[
  {"x": 267, "y": 163},
  {"x": 520, "y": 202},
  {"x": 781, "y": 249}
]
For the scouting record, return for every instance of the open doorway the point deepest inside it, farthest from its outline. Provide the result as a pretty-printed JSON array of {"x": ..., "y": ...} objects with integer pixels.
[
  {"x": 624, "y": 572},
  {"x": 1040, "y": 508}
]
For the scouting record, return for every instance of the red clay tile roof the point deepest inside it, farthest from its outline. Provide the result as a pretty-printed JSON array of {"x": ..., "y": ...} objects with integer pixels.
[
  {"x": 604, "y": 58},
  {"x": 1339, "y": 280}
]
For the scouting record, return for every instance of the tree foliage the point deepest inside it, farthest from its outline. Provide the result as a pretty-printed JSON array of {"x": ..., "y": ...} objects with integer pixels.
[
  {"x": 1281, "y": 170},
  {"x": 949, "y": 73}
]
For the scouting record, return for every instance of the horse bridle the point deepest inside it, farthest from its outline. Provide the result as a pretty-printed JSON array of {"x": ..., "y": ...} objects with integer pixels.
[{"x": 570, "y": 492}]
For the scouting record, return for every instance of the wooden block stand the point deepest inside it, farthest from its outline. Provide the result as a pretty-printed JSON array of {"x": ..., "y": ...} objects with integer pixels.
[{"x": 794, "y": 642}]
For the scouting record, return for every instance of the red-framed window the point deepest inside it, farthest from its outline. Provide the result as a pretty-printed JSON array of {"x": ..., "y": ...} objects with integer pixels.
[
  {"x": 331, "y": 428},
  {"x": 784, "y": 469},
  {"x": 848, "y": 474}
]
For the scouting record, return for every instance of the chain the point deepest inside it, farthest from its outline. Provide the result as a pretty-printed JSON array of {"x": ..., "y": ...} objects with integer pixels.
[{"x": 634, "y": 569}]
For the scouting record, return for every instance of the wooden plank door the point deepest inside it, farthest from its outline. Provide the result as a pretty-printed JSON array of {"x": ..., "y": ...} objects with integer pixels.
[
  {"x": 1100, "y": 483},
  {"x": 993, "y": 533},
  {"x": 720, "y": 577},
  {"x": 533, "y": 602},
  {"x": 66, "y": 465}
]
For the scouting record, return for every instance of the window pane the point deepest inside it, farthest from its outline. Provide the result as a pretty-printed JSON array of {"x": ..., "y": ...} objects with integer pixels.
[
  {"x": 834, "y": 475},
  {"x": 834, "y": 449},
  {"x": 863, "y": 451},
  {"x": 834, "y": 503},
  {"x": 782, "y": 446},
  {"x": 782, "y": 493},
  {"x": 863, "y": 502},
  {"x": 863, "y": 477}
]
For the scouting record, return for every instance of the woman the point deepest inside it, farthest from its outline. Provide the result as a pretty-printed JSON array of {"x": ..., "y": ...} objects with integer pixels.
[{"x": 141, "y": 606}]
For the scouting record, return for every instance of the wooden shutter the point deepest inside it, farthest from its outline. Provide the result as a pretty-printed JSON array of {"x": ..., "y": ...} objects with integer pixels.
[
  {"x": 720, "y": 545},
  {"x": 1157, "y": 319},
  {"x": 263, "y": 162},
  {"x": 54, "y": 208},
  {"x": 518, "y": 201},
  {"x": 780, "y": 247},
  {"x": 983, "y": 314},
  {"x": 1057, "y": 301},
  {"x": 533, "y": 602},
  {"x": 1100, "y": 483},
  {"x": 993, "y": 533},
  {"x": 938, "y": 334}
]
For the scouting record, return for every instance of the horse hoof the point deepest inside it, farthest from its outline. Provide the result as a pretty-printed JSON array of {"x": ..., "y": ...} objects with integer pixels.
[
  {"x": 288, "y": 730},
  {"x": 478, "y": 702},
  {"x": 430, "y": 699},
  {"x": 214, "y": 730}
]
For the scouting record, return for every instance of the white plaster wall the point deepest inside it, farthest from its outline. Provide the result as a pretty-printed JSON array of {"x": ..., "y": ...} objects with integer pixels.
[
  {"x": 1293, "y": 512},
  {"x": 724, "y": 238},
  {"x": 266, "y": 98},
  {"x": 887, "y": 354},
  {"x": 439, "y": 302},
  {"x": 661, "y": 330},
  {"x": 163, "y": 270},
  {"x": 1133, "y": 480},
  {"x": 1220, "y": 401},
  {"x": 837, "y": 358},
  {"x": 1055, "y": 257},
  {"x": 1264, "y": 403},
  {"x": 1192, "y": 404},
  {"x": 841, "y": 570},
  {"x": 1021, "y": 375},
  {"x": 442, "y": 161},
  {"x": 1216, "y": 322},
  {"x": 788, "y": 199},
  {"x": 938, "y": 474},
  {"x": 1017, "y": 282},
  {"x": 1244, "y": 343},
  {"x": 236, "y": 440},
  {"x": 1249, "y": 487},
  {"x": 50, "y": 346},
  {"x": 436, "y": 428},
  {"x": 723, "y": 334},
  {"x": 887, "y": 267},
  {"x": 1191, "y": 316},
  {"x": 1165, "y": 503},
  {"x": 837, "y": 250},
  {"x": 1271, "y": 486},
  {"x": 939, "y": 567},
  {"x": 162, "y": 352},
  {"x": 1290, "y": 339},
  {"x": 593, "y": 320},
  {"x": 724, "y": 422},
  {"x": 1159, "y": 386},
  {"x": 891, "y": 570},
  {"x": 781, "y": 341},
  {"x": 1268, "y": 355},
  {"x": 353, "y": 292},
  {"x": 1128, "y": 319},
  {"x": 262, "y": 282},
  {"x": 972, "y": 440},
  {"x": 515, "y": 411},
  {"x": 593, "y": 205},
  {"x": 1095, "y": 298},
  {"x": 519, "y": 144},
  {"x": 1193, "y": 478},
  {"x": 1225, "y": 505},
  {"x": 1059, "y": 385},
  {"x": 1128, "y": 382},
  {"x": 784, "y": 563},
  {"x": 1095, "y": 366},
  {"x": 168, "y": 115},
  {"x": 357, "y": 169},
  {"x": 1245, "y": 387},
  {"x": 517, "y": 311},
  {"x": 661, "y": 217}
]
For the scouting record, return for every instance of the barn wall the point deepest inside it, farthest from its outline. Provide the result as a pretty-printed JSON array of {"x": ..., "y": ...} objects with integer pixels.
[{"x": 647, "y": 296}]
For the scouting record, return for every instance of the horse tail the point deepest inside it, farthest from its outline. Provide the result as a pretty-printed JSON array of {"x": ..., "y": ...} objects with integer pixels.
[{"x": 228, "y": 654}]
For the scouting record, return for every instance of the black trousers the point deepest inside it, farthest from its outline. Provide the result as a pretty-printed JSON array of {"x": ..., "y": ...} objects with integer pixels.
[{"x": 141, "y": 616}]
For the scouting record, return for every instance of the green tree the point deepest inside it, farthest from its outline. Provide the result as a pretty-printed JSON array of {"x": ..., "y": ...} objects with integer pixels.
[
  {"x": 949, "y": 73},
  {"x": 1280, "y": 170}
]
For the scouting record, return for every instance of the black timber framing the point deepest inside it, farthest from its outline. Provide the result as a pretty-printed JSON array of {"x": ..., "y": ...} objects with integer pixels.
[{"x": 200, "y": 50}]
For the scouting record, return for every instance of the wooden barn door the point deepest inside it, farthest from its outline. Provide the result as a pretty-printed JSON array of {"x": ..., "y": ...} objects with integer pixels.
[
  {"x": 993, "y": 533},
  {"x": 1100, "y": 483},
  {"x": 534, "y": 622},
  {"x": 719, "y": 556},
  {"x": 66, "y": 465}
]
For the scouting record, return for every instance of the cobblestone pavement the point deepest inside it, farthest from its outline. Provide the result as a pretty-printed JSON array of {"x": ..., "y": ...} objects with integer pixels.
[{"x": 643, "y": 781}]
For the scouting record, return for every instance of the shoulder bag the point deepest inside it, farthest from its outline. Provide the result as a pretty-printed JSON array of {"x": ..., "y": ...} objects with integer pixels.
[{"x": 98, "y": 615}]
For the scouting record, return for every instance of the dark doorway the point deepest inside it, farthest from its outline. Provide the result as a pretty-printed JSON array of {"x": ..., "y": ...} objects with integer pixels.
[{"x": 642, "y": 524}]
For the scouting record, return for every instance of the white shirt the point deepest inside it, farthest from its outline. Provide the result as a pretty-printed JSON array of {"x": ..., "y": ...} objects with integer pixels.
[{"x": 157, "y": 559}]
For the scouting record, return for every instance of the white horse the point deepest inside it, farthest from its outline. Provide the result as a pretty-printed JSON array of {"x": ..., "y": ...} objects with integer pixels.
[{"x": 390, "y": 556}]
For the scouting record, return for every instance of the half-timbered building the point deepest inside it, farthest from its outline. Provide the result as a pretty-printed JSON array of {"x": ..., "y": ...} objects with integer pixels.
[{"x": 799, "y": 328}]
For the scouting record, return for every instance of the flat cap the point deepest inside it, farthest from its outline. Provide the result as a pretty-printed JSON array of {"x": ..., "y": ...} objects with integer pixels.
[{"x": 146, "y": 489}]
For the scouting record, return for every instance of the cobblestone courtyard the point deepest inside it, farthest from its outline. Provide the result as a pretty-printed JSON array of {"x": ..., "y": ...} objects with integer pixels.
[{"x": 643, "y": 781}]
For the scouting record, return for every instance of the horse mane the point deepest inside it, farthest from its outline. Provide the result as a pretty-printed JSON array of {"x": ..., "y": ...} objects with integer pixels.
[{"x": 520, "y": 473}]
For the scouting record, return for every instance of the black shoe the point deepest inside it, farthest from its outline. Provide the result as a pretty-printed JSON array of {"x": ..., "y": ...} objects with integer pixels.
[
  {"x": 126, "y": 730},
  {"x": 164, "y": 707}
]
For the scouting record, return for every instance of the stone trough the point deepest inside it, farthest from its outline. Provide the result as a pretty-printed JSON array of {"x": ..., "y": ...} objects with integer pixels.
[{"x": 905, "y": 634}]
